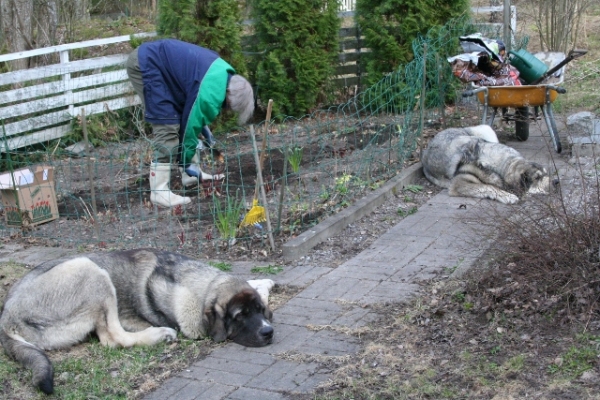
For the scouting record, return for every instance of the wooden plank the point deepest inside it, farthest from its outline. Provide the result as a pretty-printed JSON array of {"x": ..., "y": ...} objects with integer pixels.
[
  {"x": 343, "y": 82},
  {"x": 102, "y": 92},
  {"x": 351, "y": 69},
  {"x": 64, "y": 130},
  {"x": 348, "y": 32},
  {"x": 10, "y": 78},
  {"x": 482, "y": 10},
  {"x": 348, "y": 57},
  {"x": 66, "y": 99},
  {"x": 349, "y": 44},
  {"x": 30, "y": 92},
  {"x": 35, "y": 138},
  {"x": 72, "y": 46},
  {"x": 60, "y": 116},
  {"x": 39, "y": 121}
]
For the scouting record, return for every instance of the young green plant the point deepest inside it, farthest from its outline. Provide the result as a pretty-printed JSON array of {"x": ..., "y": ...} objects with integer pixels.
[
  {"x": 227, "y": 216},
  {"x": 295, "y": 158}
]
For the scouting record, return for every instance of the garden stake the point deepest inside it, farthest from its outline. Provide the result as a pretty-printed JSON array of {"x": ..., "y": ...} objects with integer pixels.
[
  {"x": 90, "y": 173},
  {"x": 262, "y": 188},
  {"x": 282, "y": 189},
  {"x": 257, "y": 213},
  {"x": 9, "y": 162}
]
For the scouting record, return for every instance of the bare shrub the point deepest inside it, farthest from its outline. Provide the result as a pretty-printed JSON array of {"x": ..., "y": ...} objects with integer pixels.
[
  {"x": 559, "y": 21},
  {"x": 546, "y": 256}
]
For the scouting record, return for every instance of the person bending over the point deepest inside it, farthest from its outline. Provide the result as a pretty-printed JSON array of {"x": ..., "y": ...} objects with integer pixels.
[{"x": 183, "y": 88}]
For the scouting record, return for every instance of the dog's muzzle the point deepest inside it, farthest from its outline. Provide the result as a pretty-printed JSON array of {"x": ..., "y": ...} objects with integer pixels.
[
  {"x": 540, "y": 187},
  {"x": 266, "y": 333}
]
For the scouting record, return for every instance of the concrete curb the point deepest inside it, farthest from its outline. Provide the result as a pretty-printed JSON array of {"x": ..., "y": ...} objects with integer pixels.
[{"x": 301, "y": 245}]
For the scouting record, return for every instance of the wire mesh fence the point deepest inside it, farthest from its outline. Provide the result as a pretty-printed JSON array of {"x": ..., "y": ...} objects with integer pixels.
[{"x": 314, "y": 166}]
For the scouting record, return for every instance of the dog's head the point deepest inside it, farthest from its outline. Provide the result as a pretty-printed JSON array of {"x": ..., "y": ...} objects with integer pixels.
[
  {"x": 245, "y": 320},
  {"x": 534, "y": 178}
]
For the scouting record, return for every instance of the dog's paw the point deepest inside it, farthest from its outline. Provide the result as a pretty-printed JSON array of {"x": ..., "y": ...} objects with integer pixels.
[
  {"x": 164, "y": 334},
  {"x": 170, "y": 334},
  {"x": 508, "y": 198},
  {"x": 153, "y": 335}
]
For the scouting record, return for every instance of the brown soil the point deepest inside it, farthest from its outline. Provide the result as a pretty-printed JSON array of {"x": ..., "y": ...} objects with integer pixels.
[{"x": 125, "y": 218}]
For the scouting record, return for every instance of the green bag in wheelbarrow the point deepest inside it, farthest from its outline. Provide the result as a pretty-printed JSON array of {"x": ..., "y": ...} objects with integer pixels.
[{"x": 530, "y": 67}]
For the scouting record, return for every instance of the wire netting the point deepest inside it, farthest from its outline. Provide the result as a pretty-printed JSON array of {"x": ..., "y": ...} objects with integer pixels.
[{"x": 314, "y": 166}]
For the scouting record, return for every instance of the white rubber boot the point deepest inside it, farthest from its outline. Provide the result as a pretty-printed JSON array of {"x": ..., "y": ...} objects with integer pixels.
[
  {"x": 186, "y": 179},
  {"x": 161, "y": 195}
]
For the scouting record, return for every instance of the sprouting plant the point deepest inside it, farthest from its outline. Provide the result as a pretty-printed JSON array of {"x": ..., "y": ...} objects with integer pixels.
[
  {"x": 459, "y": 297},
  {"x": 295, "y": 158},
  {"x": 403, "y": 213},
  {"x": 227, "y": 216},
  {"x": 414, "y": 188},
  {"x": 223, "y": 266},
  {"x": 341, "y": 183},
  {"x": 300, "y": 207},
  {"x": 324, "y": 195}
]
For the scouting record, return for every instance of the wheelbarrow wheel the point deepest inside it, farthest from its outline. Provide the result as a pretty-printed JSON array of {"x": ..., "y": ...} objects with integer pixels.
[{"x": 522, "y": 123}]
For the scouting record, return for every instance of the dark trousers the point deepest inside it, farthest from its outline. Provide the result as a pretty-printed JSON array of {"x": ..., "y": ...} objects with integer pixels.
[{"x": 165, "y": 140}]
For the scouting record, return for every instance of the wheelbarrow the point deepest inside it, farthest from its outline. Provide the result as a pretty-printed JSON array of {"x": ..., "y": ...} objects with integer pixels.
[{"x": 522, "y": 98}]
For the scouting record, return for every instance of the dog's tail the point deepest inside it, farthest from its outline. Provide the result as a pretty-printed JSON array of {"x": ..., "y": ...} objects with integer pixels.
[
  {"x": 484, "y": 132},
  {"x": 31, "y": 357}
]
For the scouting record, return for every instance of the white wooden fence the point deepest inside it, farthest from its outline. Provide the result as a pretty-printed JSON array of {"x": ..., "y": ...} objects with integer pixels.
[
  {"x": 347, "y": 5},
  {"x": 38, "y": 104},
  {"x": 499, "y": 26}
]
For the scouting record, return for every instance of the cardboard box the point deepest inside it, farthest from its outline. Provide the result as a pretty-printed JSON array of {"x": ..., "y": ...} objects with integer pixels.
[{"x": 28, "y": 197}]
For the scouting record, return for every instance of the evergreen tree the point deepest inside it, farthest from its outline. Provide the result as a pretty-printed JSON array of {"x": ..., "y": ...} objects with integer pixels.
[
  {"x": 389, "y": 27},
  {"x": 214, "y": 24},
  {"x": 300, "y": 44}
]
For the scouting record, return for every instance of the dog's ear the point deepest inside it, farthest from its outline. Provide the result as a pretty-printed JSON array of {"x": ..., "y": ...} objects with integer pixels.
[
  {"x": 526, "y": 179},
  {"x": 216, "y": 323}
]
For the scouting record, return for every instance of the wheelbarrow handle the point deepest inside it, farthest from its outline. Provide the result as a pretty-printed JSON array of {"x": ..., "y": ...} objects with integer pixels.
[
  {"x": 469, "y": 93},
  {"x": 577, "y": 53},
  {"x": 558, "y": 89}
]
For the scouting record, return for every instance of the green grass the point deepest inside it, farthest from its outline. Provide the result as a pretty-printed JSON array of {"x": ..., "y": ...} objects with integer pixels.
[
  {"x": 414, "y": 188},
  {"x": 515, "y": 363},
  {"x": 269, "y": 270},
  {"x": 403, "y": 213},
  {"x": 223, "y": 266},
  {"x": 101, "y": 28},
  {"x": 578, "y": 358},
  {"x": 94, "y": 371}
]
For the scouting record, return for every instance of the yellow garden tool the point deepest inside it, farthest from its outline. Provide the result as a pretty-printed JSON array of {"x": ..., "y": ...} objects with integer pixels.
[{"x": 257, "y": 213}]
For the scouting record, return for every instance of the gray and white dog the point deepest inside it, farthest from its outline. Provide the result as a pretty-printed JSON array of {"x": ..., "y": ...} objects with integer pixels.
[
  {"x": 131, "y": 297},
  {"x": 470, "y": 162}
]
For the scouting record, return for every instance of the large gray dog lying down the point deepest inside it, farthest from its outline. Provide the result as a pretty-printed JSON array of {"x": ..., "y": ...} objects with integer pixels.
[
  {"x": 128, "y": 298},
  {"x": 470, "y": 162}
]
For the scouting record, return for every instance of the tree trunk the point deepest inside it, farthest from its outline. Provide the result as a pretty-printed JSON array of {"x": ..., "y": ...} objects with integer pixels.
[
  {"x": 71, "y": 11},
  {"x": 17, "y": 30},
  {"x": 46, "y": 21}
]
